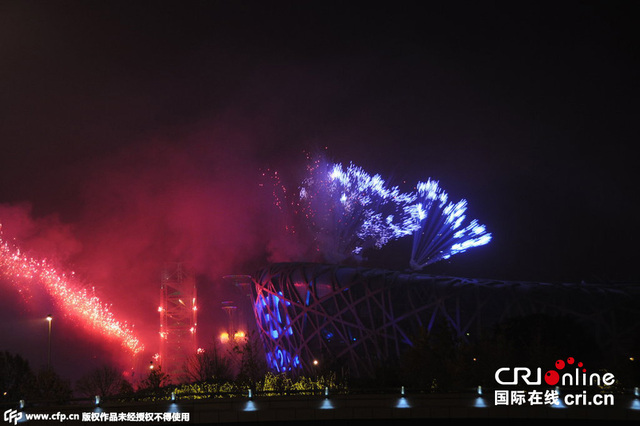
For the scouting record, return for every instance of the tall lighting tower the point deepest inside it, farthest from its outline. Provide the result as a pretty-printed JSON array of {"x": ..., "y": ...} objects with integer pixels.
[
  {"x": 178, "y": 314},
  {"x": 230, "y": 309}
]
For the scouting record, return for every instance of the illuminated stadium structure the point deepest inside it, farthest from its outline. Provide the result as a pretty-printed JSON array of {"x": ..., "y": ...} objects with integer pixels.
[{"x": 361, "y": 317}]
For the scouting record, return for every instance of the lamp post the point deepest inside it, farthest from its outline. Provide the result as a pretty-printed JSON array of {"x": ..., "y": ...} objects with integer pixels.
[{"x": 49, "y": 319}]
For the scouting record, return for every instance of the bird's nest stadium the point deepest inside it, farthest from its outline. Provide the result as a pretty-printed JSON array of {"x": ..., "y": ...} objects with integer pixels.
[{"x": 361, "y": 317}]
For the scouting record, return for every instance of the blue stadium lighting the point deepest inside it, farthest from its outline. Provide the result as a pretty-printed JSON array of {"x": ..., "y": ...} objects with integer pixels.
[
  {"x": 271, "y": 309},
  {"x": 281, "y": 360}
]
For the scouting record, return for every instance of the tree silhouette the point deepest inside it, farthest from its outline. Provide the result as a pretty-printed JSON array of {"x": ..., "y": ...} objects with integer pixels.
[
  {"x": 103, "y": 381},
  {"x": 155, "y": 380},
  {"x": 252, "y": 361},
  {"x": 16, "y": 377},
  {"x": 51, "y": 387},
  {"x": 208, "y": 366}
]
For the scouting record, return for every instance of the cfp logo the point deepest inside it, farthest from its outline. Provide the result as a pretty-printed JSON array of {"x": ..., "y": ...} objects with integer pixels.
[{"x": 12, "y": 416}]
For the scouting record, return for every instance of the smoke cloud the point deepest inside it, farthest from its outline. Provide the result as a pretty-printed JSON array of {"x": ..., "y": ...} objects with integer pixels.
[{"x": 200, "y": 200}]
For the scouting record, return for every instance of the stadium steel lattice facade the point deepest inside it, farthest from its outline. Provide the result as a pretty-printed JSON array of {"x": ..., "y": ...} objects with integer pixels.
[{"x": 362, "y": 317}]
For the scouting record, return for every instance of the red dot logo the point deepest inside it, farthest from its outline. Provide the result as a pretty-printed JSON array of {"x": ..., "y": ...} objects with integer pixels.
[
  {"x": 559, "y": 364},
  {"x": 551, "y": 377},
  {"x": 570, "y": 360}
]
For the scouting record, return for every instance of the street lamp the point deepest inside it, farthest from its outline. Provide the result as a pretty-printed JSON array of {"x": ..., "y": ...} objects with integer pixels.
[{"x": 49, "y": 319}]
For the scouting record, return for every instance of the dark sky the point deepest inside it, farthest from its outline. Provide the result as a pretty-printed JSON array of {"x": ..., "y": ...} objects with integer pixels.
[{"x": 135, "y": 132}]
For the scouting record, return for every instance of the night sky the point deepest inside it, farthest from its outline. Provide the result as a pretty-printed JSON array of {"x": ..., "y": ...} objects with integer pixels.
[{"x": 135, "y": 133}]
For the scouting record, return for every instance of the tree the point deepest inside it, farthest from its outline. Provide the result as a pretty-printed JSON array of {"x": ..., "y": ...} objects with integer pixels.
[
  {"x": 155, "y": 380},
  {"x": 252, "y": 361},
  {"x": 103, "y": 381},
  {"x": 126, "y": 388},
  {"x": 208, "y": 366},
  {"x": 534, "y": 341},
  {"x": 19, "y": 382},
  {"x": 437, "y": 361},
  {"x": 16, "y": 377},
  {"x": 51, "y": 387}
]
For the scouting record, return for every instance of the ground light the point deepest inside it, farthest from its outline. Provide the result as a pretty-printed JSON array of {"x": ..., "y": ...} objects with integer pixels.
[
  {"x": 250, "y": 405},
  {"x": 402, "y": 401},
  {"x": 96, "y": 401},
  {"x": 173, "y": 407},
  {"x": 21, "y": 406},
  {"x": 479, "y": 402},
  {"x": 326, "y": 402},
  {"x": 635, "y": 404},
  {"x": 560, "y": 404}
]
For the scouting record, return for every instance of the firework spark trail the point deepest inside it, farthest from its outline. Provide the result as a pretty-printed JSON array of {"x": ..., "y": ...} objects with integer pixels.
[
  {"x": 282, "y": 199},
  {"x": 22, "y": 270},
  {"x": 350, "y": 210},
  {"x": 382, "y": 213},
  {"x": 438, "y": 234}
]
